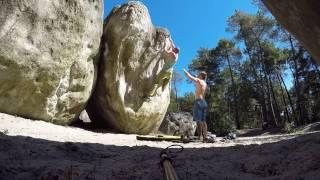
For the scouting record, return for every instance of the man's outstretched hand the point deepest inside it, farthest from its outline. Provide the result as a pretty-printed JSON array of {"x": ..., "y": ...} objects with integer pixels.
[
  {"x": 186, "y": 72},
  {"x": 189, "y": 76}
]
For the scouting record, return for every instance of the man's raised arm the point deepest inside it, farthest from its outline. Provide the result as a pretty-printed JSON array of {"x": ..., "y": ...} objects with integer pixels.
[{"x": 189, "y": 76}]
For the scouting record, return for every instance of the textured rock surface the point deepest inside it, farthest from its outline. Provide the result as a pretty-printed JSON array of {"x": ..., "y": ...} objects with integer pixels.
[
  {"x": 301, "y": 18},
  {"x": 133, "y": 91},
  {"x": 46, "y": 56},
  {"x": 178, "y": 124}
]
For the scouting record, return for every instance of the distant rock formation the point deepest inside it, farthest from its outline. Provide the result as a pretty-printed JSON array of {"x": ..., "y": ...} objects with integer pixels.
[
  {"x": 178, "y": 124},
  {"x": 47, "y": 51},
  {"x": 301, "y": 18},
  {"x": 133, "y": 88}
]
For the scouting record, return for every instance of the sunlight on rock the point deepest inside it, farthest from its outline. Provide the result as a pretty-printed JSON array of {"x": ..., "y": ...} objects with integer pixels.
[{"x": 133, "y": 91}]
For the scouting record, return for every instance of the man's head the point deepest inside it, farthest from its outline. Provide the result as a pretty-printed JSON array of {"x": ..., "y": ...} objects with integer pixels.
[{"x": 202, "y": 75}]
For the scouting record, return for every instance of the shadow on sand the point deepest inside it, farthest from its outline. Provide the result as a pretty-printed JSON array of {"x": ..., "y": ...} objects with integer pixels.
[{"x": 30, "y": 158}]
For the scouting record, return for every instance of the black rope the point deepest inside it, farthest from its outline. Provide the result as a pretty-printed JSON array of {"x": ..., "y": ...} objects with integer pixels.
[{"x": 170, "y": 152}]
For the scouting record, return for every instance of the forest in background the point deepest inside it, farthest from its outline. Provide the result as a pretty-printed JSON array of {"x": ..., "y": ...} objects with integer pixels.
[{"x": 247, "y": 75}]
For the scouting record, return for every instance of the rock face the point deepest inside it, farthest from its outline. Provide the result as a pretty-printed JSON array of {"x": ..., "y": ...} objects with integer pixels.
[
  {"x": 178, "y": 124},
  {"x": 133, "y": 88},
  {"x": 46, "y": 57},
  {"x": 301, "y": 18}
]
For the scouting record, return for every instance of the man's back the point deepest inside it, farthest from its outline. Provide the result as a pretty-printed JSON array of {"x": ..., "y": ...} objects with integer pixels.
[{"x": 201, "y": 87}]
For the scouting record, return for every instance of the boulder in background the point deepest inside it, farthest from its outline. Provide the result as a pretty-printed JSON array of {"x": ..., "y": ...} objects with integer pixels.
[
  {"x": 178, "y": 124},
  {"x": 47, "y": 51},
  {"x": 133, "y": 88}
]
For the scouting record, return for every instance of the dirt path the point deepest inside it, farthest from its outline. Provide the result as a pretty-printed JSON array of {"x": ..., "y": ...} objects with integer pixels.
[{"x": 36, "y": 149}]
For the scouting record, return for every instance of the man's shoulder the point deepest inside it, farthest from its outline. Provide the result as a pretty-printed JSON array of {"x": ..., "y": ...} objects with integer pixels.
[
  {"x": 203, "y": 82},
  {"x": 197, "y": 80}
]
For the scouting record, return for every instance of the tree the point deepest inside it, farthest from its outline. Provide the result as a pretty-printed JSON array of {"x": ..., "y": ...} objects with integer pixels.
[
  {"x": 229, "y": 54},
  {"x": 186, "y": 102},
  {"x": 248, "y": 85},
  {"x": 176, "y": 78},
  {"x": 254, "y": 31}
]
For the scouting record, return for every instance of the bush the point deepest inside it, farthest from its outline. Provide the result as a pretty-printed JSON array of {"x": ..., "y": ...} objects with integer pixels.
[
  {"x": 289, "y": 127},
  {"x": 222, "y": 125}
]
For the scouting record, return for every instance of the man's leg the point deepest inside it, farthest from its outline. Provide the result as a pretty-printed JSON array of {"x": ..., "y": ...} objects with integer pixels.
[
  {"x": 202, "y": 131},
  {"x": 204, "y": 122},
  {"x": 197, "y": 117},
  {"x": 205, "y": 131},
  {"x": 199, "y": 129},
  {"x": 194, "y": 117}
]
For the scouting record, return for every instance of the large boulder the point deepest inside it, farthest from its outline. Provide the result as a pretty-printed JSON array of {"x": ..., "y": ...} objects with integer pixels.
[
  {"x": 133, "y": 88},
  {"x": 47, "y": 51},
  {"x": 178, "y": 124},
  {"x": 301, "y": 18}
]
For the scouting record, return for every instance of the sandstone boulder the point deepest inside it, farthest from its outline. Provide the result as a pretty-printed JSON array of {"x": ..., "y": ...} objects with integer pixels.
[
  {"x": 47, "y": 51},
  {"x": 178, "y": 124},
  {"x": 301, "y": 18},
  {"x": 133, "y": 88}
]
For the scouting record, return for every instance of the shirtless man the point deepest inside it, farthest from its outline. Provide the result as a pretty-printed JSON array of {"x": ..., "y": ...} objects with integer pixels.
[{"x": 200, "y": 105}]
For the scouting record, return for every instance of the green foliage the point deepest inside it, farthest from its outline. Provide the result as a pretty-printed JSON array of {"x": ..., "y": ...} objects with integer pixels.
[
  {"x": 223, "y": 125},
  {"x": 186, "y": 102},
  {"x": 176, "y": 79},
  {"x": 173, "y": 106},
  {"x": 289, "y": 127},
  {"x": 247, "y": 84}
]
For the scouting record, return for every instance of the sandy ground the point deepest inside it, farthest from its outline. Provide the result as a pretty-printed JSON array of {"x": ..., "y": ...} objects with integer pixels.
[{"x": 39, "y": 150}]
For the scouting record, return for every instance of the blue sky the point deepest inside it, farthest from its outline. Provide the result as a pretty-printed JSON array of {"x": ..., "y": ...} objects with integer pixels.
[{"x": 192, "y": 24}]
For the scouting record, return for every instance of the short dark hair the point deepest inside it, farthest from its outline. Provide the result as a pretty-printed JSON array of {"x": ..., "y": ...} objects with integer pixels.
[{"x": 203, "y": 75}]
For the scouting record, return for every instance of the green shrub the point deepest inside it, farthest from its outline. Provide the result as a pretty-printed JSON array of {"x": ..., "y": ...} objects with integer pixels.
[{"x": 222, "y": 125}]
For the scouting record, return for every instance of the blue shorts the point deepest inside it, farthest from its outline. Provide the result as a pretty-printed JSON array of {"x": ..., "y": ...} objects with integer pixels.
[{"x": 200, "y": 110}]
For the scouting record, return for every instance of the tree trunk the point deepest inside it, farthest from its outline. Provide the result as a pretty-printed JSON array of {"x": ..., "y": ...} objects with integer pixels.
[
  {"x": 235, "y": 101},
  {"x": 289, "y": 98},
  {"x": 277, "y": 111},
  {"x": 280, "y": 78},
  {"x": 297, "y": 84},
  {"x": 284, "y": 101},
  {"x": 273, "y": 123},
  {"x": 176, "y": 94},
  {"x": 261, "y": 98}
]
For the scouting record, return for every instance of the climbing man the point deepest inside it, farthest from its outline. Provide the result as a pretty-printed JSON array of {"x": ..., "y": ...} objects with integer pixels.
[{"x": 200, "y": 105}]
